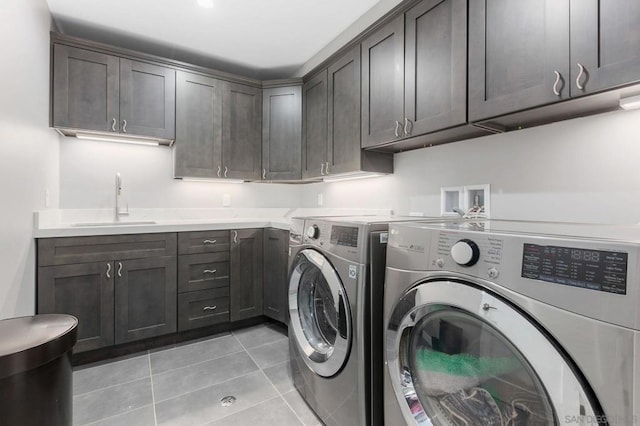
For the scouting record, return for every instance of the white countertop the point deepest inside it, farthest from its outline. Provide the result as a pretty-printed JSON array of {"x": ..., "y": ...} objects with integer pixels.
[{"x": 71, "y": 223}]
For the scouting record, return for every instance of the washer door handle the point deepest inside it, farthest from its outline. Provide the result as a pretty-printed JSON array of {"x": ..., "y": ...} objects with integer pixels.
[{"x": 342, "y": 318}]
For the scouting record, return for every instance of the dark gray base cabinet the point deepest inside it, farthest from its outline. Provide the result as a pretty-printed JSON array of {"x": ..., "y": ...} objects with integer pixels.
[
  {"x": 276, "y": 286},
  {"x": 203, "y": 308},
  {"x": 246, "y": 273}
]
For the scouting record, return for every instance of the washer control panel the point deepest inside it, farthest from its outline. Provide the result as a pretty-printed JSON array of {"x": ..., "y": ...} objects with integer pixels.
[{"x": 457, "y": 252}]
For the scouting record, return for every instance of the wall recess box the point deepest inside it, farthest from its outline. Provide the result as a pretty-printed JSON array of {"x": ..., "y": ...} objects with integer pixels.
[{"x": 474, "y": 200}]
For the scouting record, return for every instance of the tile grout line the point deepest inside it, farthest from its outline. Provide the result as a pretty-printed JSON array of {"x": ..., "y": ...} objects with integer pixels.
[
  {"x": 153, "y": 396},
  {"x": 110, "y": 386},
  {"x": 116, "y": 415},
  {"x": 198, "y": 363}
]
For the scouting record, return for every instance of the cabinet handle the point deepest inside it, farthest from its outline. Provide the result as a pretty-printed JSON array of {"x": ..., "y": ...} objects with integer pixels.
[
  {"x": 113, "y": 124},
  {"x": 322, "y": 169},
  {"x": 124, "y": 126},
  {"x": 219, "y": 170},
  {"x": 209, "y": 241},
  {"x": 225, "y": 171},
  {"x": 406, "y": 126},
  {"x": 235, "y": 237},
  {"x": 209, "y": 271},
  {"x": 264, "y": 173},
  {"x": 397, "y": 129},
  {"x": 326, "y": 168},
  {"x": 120, "y": 269},
  {"x": 556, "y": 83},
  {"x": 580, "y": 74},
  {"x": 209, "y": 308},
  {"x": 108, "y": 270}
]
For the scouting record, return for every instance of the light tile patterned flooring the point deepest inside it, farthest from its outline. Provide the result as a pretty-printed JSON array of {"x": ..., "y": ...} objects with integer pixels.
[{"x": 183, "y": 384}]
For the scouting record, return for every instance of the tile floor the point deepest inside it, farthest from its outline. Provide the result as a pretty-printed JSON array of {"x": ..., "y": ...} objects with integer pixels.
[{"x": 183, "y": 384}]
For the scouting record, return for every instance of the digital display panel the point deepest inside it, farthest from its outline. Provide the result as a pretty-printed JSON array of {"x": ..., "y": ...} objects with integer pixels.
[
  {"x": 344, "y": 236},
  {"x": 592, "y": 269}
]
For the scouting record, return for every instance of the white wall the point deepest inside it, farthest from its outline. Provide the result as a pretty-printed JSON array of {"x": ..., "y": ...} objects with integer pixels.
[
  {"x": 28, "y": 148},
  {"x": 585, "y": 170},
  {"x": 87, "y": 175}
]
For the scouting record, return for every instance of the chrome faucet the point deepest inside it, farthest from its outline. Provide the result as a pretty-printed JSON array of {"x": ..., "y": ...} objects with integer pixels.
[{"x": 117, "y": 211}]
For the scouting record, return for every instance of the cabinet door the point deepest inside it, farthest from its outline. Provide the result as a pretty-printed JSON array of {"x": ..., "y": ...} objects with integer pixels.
[
  {"x": 198, "y": 145},
  {"x": 517, "y": 52},
  {"x": 276, "y": 255},
  {"x": 605, "y": 40},
  {"x": 84, "y": 291},
  {"x": 435, "y": 66},
  {"x": 145, "y": 298},
  {"x": 246, "y": 273},
  {"x": 314, "y": 126},
  {"x": 382, "y": 84},
  {"x": 344, "y": 113},
  {"x": 282, "y": 133},
  {"x": 147, "y": 99},
  {"x": 241, "y": 131},
  {"x": 85, "y": 89}
]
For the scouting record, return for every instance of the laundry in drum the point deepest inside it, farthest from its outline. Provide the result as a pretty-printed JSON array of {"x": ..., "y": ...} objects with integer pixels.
[{"x": 440, "y": 373}]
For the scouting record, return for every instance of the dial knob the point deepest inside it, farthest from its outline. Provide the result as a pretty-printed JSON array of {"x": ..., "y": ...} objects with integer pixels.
[
  {"x": 313, "y": 232},
  {"x": 465, "y": 253}
]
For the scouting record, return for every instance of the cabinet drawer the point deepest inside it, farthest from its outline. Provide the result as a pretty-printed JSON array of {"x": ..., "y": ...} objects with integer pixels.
[
  {"x": 203, "y": 308},
  {"x": 70, "y": 250},
  {"x": 203, "y": 271},
  {"x": 203, "y": 242}
]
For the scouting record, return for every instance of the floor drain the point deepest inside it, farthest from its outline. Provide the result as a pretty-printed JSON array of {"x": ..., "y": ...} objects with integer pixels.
[{"x": 227, "y": 401}]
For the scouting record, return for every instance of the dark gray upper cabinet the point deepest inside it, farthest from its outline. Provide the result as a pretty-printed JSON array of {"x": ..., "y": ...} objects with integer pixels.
[
  {"x": 241, "y": 131},
  {"x": 198, "y": 145},
  {"x": 435, "y": 85},
  {"x": 344, "y": 114},
  {"x": 246, "y": 273},
  {"x": 314, "y": 126},
  {"x": 86, "y": 88},
  {"x": 605, "y": 43},
  {"x": 518, "y": 55},
  {"x": 383, "y": 84},
  {"x": 84, "y": 291},
  {"x": 276, "y": 286},
  {"x": 282, "y": 133},
  {"x": 145, "y": 298},
  {"x": 100, "y": 92}
]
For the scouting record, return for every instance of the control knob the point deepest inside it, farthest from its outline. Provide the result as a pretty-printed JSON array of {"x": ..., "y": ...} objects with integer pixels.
[
  {"x": 313, "y": 232},
  {"x": 465, "y": 253}
]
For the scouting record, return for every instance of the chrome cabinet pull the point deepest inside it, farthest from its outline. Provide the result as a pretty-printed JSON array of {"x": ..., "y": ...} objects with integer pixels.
[
  {"x": 108, "y": 270},
  {"x": 225, "y": 171},
  {"x": 219, "y": 170},
  {"x": 209, "y": 308},
  {"x": 322, "y": 169},
  {"x": 113, "y": 124},
  {"x": 397, "y": 129},
  {"x": 556, "y": 83},
  {"x": 209, "y": 241},
  {"x": 406, "y": 126},
  {"x": 124, "y": 126},
  {"x": 209, "y": 271},
  {"x": 580, "y": 74},
  {"x": 326, "y": 168},
  {"x": 235, "y": 237},
  {"x": 120, "y": 269},
  {"x": 264, "y": 173}
]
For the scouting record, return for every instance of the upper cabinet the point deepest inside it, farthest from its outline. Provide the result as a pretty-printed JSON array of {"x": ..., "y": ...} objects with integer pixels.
[
  {"x": 314, "y": 126},
  {"x": 282, "y": 133},
  {"x": 100, "y": 92},
  {"x": 414, "y": 73},
  {"x": 605, "y": 44}
]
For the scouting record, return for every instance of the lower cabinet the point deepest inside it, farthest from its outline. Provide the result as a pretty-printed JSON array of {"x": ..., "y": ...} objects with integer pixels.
[
  {"x": 246, "y": 273},
  {"x": 203, "y": 308},
  {"x": 275, "y": 293}
]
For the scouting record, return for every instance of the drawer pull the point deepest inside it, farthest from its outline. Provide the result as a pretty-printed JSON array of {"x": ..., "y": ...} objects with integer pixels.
[
  {"x": 209, "y": 271},
  {"x": 108, "y": 270},
  {"x": 120, "y": 269},
  {"x": 209, "y": 241},
  {"x": 209, "y": 308}
]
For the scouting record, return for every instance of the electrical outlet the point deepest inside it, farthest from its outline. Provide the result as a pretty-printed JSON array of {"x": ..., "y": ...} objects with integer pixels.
[
  {"x": 226, "y": 200},
  {"x": 47, "y": 198}
]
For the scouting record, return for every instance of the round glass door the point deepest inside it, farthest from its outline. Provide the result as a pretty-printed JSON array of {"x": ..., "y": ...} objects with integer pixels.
[
  {"x": 319, "y": 313},
  {"x": 458, "y": 355}
]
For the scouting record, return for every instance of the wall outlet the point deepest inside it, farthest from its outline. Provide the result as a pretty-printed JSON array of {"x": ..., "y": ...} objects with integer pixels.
[
  {"x": 47, "y": 198},
  {"x": 320, "y": 200},
  {"x": 226, "y": 200}
]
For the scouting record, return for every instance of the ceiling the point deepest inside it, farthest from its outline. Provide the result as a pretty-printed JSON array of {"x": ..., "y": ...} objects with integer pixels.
[{"x": 256, "y": 38}]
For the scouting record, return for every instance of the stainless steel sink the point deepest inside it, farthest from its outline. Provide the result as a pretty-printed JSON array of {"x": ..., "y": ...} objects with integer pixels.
[{"x": 121, "y": 223}]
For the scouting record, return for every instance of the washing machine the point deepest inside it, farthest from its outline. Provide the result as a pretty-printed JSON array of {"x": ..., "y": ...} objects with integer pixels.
[
  {"x": 336, "y": 287},
  {"x": 512, "y": 323}
]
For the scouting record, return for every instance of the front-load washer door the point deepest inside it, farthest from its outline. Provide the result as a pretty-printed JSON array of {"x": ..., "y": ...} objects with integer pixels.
[
  {"x": 319, "y": 312},
  {"x": 459, "y": 355}
]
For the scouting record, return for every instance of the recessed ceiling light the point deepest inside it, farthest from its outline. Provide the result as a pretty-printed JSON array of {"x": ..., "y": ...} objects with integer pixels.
[{"x": 206, "y": 4}]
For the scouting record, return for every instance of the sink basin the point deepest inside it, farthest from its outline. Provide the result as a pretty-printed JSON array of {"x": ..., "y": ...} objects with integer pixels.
[{"x": 123, "y": 223}]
